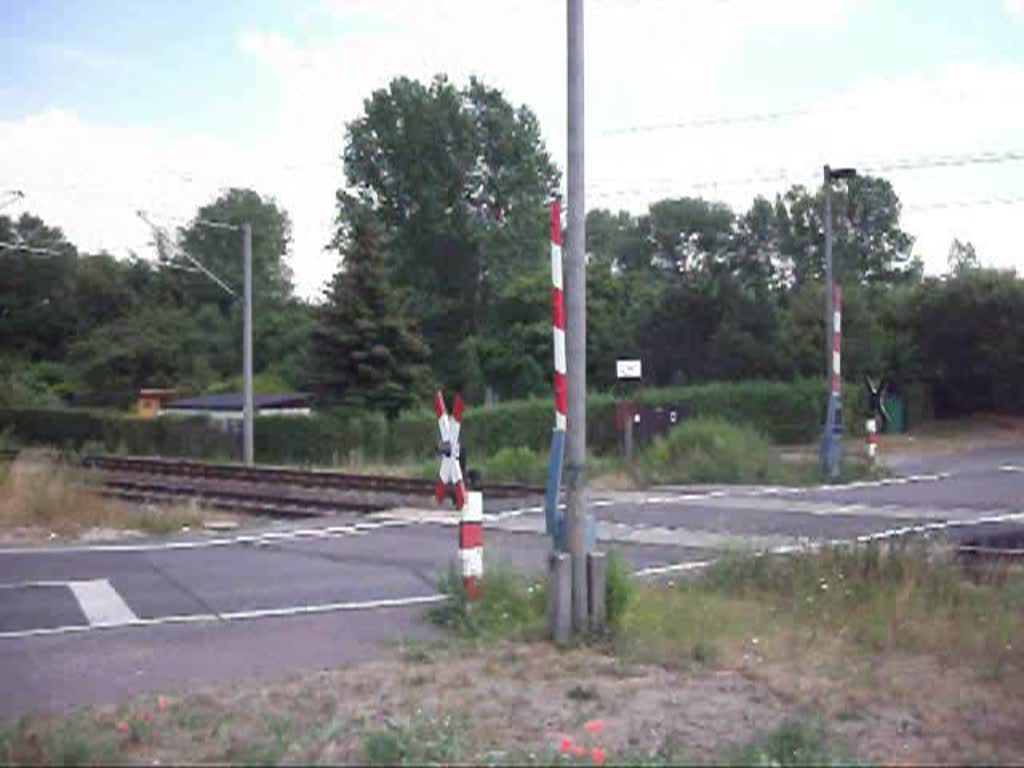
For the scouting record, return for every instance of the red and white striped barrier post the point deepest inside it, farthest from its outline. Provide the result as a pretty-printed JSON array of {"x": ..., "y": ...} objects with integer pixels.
[
  {"x": 558, "y": 316},
  {"x": 837, "y": 324},
  {"x": 471, "y": 544},
  {"x": 871, "y": 438},
  {"x": 470, "y": 504},
  {"x": 552, "y": 518}
]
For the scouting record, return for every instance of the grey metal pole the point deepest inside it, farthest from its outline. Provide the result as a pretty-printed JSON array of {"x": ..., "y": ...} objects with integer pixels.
[
  {"x": 828, "y": 273},
  {"x": 576, "y": 324},
  {"x": 248, "y": 448}
]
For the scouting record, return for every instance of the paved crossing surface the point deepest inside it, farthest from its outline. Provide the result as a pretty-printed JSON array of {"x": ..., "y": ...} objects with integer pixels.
[{"x": 94, "y": 623}]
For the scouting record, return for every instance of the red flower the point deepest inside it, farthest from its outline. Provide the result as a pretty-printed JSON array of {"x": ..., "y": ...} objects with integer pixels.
[
  {"x": 594, "y": 726},
  {"x": 597, "y": 755},
  {"x": 122, "y": 726},
  {"x": 161, "y": 702},
  {"x": 579, "y": 750},
  {"x": 565, "y": 745}
]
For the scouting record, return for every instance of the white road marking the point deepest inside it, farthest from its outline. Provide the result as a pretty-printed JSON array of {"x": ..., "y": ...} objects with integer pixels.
[
  {"x": 101, "y": 604},
  {"x": 1010, "y": 468},
  {"x": 261, "y": 613},
  {"x": 33, "y": 584},
  {"x": 354, "y": 529}
]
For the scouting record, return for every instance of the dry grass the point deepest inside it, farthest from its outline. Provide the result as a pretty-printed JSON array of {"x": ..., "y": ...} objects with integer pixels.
[{"x": 40, "y": 491}]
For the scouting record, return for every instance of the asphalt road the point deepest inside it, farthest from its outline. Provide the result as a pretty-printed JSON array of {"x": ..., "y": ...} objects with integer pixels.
[{"x": 93, "y": 624}]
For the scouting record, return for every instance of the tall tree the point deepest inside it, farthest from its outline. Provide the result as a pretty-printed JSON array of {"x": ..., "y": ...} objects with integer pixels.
[
  {"x": 459, "y": 178},
  {"x": 220, "y": 250},
  {"x": 37, "y": 289},
  {"x": 365, "y": 350}
]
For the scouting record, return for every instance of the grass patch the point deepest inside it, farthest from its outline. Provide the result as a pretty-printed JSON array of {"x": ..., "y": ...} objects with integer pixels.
[
  {"x": 711, "y": 450},
  {"x": 508, "y": 606},
  {"x": 419, "y": 741},
  {"x": 795, "y": 742},
  {"x": 899, "y": 601},
  {"x": 41, "y": 489}
]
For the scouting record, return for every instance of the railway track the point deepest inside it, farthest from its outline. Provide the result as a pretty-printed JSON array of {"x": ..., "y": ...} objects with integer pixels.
[
  {"x": 290, "y": 476},
  {"x": 264, "y": 490}
]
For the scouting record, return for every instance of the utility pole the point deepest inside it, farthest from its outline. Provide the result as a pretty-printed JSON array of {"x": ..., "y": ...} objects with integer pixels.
[
  {"x": 828, "y": 272},
  {"x": 576, "y": 324},
  {"x": 247, "y": 395},
  {"x": 832, "y": 432}
]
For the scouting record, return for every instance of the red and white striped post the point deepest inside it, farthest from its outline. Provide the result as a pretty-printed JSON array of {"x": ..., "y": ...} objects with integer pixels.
[
  {"x": 558, "y": 315},
  {"x": 837, "y": 323},
  {"x": 470, "y": 504},
  {"x": 871, "y": 438},
  {"x": 551, "y": 514},
  {"x": 471, "y": 543}
]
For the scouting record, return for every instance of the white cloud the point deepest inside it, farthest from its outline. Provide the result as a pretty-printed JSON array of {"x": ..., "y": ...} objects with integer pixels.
[
  {"x": 1014, "y": 9},
  {"x": 642, "y": 56}
]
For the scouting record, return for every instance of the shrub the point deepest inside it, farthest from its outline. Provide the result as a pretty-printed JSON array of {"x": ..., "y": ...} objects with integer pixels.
[
  {"x": 516, "y": 464},
  {"x": 619, "y": 589},
  {"x": 707, "y": 450},
  {"x": 508, "y": 607}
]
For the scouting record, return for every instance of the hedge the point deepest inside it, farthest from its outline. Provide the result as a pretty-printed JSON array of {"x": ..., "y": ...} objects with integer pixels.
[{"x": 785, "y": 412}]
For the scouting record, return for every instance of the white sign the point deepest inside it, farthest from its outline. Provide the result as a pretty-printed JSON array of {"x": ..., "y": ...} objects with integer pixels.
[{"x": 627, "y": 369}]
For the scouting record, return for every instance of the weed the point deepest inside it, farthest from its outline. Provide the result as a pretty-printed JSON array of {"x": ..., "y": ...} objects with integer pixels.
[
  {"x": 619, "y": 588},
  {"x": 422, "y": 740},
  {"x": 581, "y": 693},
  {"x": 69, "y": 744},
  {"x": 507, "y": 606},
  {"x": 795, "y": 742}
]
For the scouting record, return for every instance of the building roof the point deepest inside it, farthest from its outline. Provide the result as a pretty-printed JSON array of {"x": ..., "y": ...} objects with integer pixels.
[{"x": 232, "y": 401}]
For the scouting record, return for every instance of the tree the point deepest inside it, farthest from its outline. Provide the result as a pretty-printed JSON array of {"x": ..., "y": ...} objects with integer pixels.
[
  {"x": 220, "y": 250},
  {"x": 459, "y": 179},
  {"x": 868, "y": 245},
  {"x": 366, "y": 353},
  {"x": 37, "y": 290},
  {"x": 961, "y": 257}
]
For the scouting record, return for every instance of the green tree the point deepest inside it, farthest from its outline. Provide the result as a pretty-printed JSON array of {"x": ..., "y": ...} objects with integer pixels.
[
  {"x": 220, "y": 250},
  {"x": 37, "y": 290},
  {"x": 459, "y": 179},
  {"x": 366, "y": 353}
]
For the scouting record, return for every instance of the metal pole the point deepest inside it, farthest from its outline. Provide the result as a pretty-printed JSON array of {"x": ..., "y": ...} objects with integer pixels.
[
  {"x": 576, "y": 322},
  {"x": 248, "y": 404},
  {"x": 828, "y": 274}
]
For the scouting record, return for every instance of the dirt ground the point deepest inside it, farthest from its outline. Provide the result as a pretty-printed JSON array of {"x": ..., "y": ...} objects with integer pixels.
[{"x": 514, "y": 701}]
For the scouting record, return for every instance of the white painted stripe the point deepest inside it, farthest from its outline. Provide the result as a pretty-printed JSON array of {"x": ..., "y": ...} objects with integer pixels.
[
  {"x": 473, "y": 510},
  {"x": 295, "y": 610},
  {"x": 559, "y": 340},
  {"x": 472, "y": 561},
  {"x": 33, "y": 584},
  {"x": 1010, "y": 468},
  {"x": 100, "y": 603},
  {"x": 837, "y": 322},
  {"x": 560, "y": 421},
  {"x": 556, "y": 265},
  {"x": 872, "y": 450},
  {"x": 659, "y": 570},
  {"x": 835, "y": 363},
  {"x": 870, "y": 425},
  {"x": 74, "y": 628},
  {"x": 355, "y": 529}
]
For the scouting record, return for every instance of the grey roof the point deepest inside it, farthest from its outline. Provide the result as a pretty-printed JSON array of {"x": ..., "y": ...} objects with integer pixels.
[{"x": 232, "y": 401}]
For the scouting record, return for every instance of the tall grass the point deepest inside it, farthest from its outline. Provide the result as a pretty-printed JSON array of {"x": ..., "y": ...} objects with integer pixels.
[
  {"x": 894, "y": 601},
  {"x": 42, "y": 489}
]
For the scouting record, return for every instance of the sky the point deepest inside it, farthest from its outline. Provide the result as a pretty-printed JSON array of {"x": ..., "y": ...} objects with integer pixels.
[{"x": 112, "y": 106}]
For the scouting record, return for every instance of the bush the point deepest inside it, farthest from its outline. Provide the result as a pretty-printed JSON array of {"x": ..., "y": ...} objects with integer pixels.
[
  {"x": 706, "y": 450},
  {"x": 508, "y": 607},
  {"x": 619, "y": 589},
  {"x": 518, "y": 464}
]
